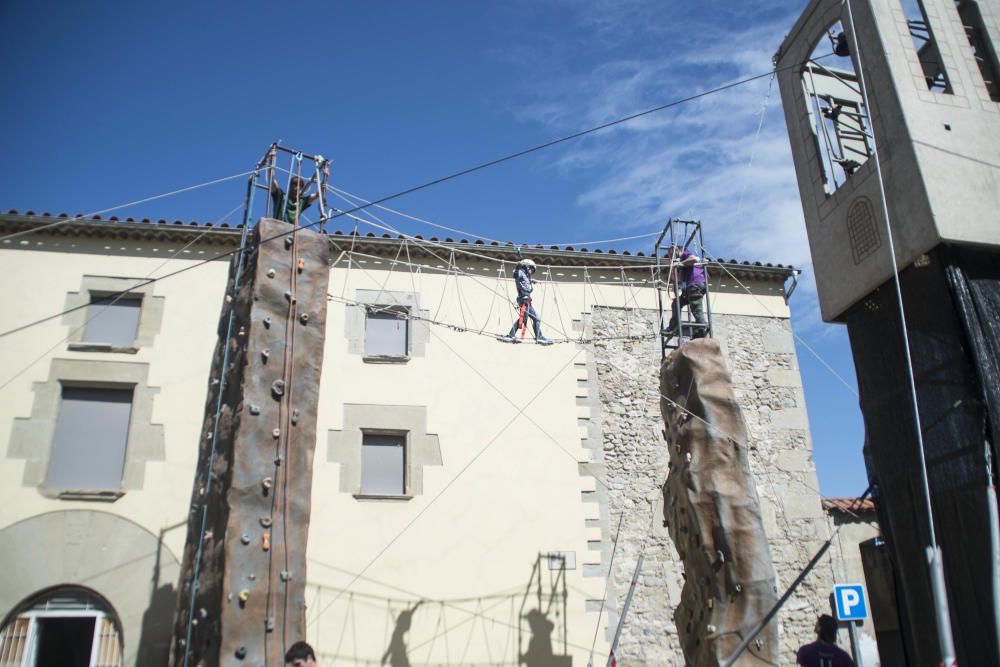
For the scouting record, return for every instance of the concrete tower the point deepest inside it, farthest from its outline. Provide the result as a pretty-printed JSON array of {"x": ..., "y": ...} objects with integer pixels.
[{"x": 930, "y": 71}]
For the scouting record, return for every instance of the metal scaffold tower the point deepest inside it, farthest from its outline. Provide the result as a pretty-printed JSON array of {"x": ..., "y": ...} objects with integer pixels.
[{"x": 680, "y": 241}]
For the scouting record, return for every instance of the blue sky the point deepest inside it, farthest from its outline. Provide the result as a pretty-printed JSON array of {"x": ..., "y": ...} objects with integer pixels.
[{"x": 111, "y": 102}]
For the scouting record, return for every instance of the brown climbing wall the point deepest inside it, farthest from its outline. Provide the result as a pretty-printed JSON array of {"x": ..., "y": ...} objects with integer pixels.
[
  {"x": 711, "y": 510},
  {"x": 249, "y": 597}
]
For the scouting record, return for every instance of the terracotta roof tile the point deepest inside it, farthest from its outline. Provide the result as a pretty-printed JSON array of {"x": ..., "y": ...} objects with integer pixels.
[
  {"x": 849, "y": 505},
  {"x": 356, "y": 234}
]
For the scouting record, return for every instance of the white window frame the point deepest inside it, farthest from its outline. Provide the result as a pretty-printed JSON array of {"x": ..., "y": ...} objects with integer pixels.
[{"x": 28, "y": 658}]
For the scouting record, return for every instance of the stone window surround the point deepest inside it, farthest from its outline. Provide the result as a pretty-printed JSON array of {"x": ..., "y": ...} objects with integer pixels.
[
  {"x": 418, "y": 333},
  {"x": 422, "y": 448},
  {"x": 150, "y": 315},
  {"x": 33, "y": 437}
]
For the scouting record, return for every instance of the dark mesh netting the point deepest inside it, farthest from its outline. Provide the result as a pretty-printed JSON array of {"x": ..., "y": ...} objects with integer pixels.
[{"x": 953, "y": 320}]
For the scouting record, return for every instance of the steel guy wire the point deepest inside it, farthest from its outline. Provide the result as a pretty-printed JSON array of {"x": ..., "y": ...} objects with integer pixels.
[
  {"x": 473, "y": 235},
  {"x": 428, "y": 184}
]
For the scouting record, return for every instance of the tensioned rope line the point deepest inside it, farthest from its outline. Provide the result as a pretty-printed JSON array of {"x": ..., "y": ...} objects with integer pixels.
[
  {"x": 437, "y": 181},
  {"x": 78, "y": 218},
  {"x": 456, "y": 327},
  {"x": 408, "y": 216}
]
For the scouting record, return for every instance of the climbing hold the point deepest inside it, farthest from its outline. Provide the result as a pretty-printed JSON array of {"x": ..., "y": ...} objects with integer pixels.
[
  {"x": 738, "y": 588},
  {"x": 301, "y": 265},
  {"x": 278, "y": 388},
  {"x": 285, "y": 575},
  {"x": 241, "y": 652},
  {"x": 203, "y": 613},
  {"x": 687, "y": 457},
  {"x": 241, "y": 333},
  {"x": 270, "y": 273},
  {"x": 269, "y": 624},
  {"x": 265, "y": 521},
  {"x": 254, "y": 409},
  {"x": 229, "y": 299},
  {"x": 711, "y": 602},
  {"x": 208, "y": 534},
  {"x": 264, "y": 354},
  {"x": 277, "y": 460},
  {"x": 194, "y": 621},
  {"x": 266, "y": 484},
  {"x": 267, "y": 322},
  {"x": 276, "y": 433},
  {"x": 710, "y": 629},
  {"x": 288, "y": 242},
  {"x": 759, "y": 643},
  {"x": 288, "y": 295},
  {"x": 252, "y": 577},
  {"x": 304, "y": 318},
  {"x": 244, "y": 596},
  {"x": 245, "y": 539},
  {"x": 266, "y": 540},
  {"x": 721, "y": 556},
  {"x": 295, "y": 417}
]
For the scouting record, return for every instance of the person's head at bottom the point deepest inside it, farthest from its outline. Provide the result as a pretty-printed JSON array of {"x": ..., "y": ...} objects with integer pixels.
[
  {"x": 300, "y": 654},
  {"x": 826, "y": 628}
]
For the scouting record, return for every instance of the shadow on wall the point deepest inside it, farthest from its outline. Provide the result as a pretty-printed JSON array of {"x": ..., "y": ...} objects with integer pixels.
[
  {"x": 154, "y": 640},
  {"x": 396, "y": 653},
  {"x": 158, "y": 619},
  {"x": 511, "y": 627},
  {"x": 539, "y": 653}
]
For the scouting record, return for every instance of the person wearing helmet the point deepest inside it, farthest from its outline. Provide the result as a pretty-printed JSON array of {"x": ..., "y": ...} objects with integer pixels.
[{"x": 522, "y": 278}]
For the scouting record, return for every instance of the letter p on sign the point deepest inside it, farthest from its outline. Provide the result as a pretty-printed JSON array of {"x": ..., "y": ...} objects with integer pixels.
[{"x": 850, "y": 599}]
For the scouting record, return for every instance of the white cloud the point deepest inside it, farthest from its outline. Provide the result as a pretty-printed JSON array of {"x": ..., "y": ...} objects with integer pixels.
[{"x": 695, "y": 158}]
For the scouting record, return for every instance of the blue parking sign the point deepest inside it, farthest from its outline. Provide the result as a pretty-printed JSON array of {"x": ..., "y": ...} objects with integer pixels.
[{"x": 850, "y": 599}]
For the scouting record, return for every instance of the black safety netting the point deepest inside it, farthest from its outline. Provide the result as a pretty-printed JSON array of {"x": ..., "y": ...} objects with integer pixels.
[{"x": 952, "y": 305}]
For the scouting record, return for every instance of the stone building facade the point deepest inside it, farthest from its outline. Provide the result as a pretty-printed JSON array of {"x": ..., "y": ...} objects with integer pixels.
[
  {"x": 762, "y": 361},
  {"x": 495, "y": 545}
]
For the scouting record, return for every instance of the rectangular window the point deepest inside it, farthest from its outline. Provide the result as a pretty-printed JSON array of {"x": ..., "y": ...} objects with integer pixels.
[
  {"x": 981, "y": 45},
  {"x": 387, "y": 332},
  {"x": 91, "y": 439},
  {"x": 115, "y": 323},
  {"x": 383, "y": 464},
  {"x": 926, "y": 46}
]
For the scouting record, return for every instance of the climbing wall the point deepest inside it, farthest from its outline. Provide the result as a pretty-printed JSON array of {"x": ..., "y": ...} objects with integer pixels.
[
  {"x": 242, "y": 586},
  {"x": 711, "y": 510}
]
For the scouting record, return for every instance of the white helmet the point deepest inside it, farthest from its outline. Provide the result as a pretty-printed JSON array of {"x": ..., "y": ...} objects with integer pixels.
[{"x": 528, "y": 264}]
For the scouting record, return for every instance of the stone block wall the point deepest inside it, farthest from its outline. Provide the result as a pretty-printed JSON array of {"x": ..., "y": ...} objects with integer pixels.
[{"x": 625, "y": 402}]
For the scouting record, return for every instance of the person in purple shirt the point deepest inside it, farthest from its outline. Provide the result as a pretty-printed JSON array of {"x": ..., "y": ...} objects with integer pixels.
[
  {"x": 693, "y": 289},
  {"x": 824, "y": 652}
]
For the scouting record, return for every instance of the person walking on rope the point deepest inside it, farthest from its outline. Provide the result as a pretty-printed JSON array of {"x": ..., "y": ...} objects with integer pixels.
[
  {"x": 290, "y": 208},
  {"x": 693, "y": 290},
  {"x": 824, "y": 652},
  {"x": 522, "y": 278}
]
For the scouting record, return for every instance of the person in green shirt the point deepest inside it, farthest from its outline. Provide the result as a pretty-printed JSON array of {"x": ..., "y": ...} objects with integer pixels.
[{"x": 290, "y": 208}]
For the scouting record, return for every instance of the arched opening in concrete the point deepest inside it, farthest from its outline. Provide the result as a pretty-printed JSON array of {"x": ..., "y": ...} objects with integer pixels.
[
  {"x": 67, "y": 626},
  {"x": 835, "y": 104}
]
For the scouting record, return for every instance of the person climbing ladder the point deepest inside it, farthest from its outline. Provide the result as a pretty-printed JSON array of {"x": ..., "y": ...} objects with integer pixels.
[{"x": 522, "y": 278}]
